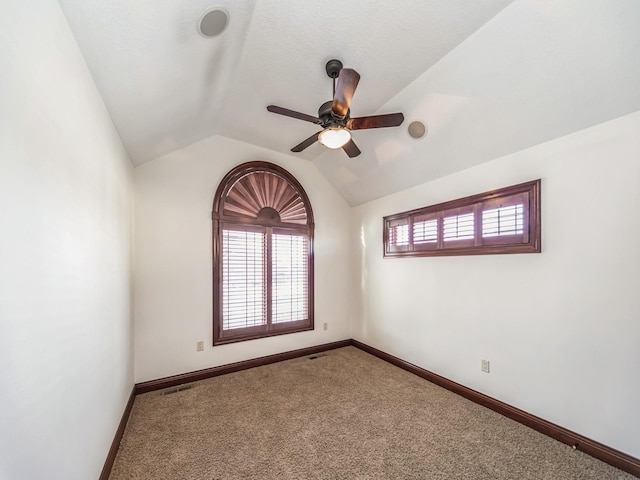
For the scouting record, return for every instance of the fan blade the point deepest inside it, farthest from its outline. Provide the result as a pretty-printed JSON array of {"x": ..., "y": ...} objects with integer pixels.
[
  {"x": 347, "y": 83},
  {"x": 351, "y": 149},
  {"x": 375, "y": 121},
  {"x": 306, "y": 143},
  {"x": 291, "y": 113}
]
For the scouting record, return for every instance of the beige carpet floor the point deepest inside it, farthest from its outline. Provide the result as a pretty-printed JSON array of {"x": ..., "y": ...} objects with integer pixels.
[{"x": 344, "y": 415}]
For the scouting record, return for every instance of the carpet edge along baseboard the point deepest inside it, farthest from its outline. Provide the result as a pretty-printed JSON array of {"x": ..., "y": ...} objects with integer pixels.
[
  {"x": 597, "y": 450},
  {"x": 113, "y": 451},
  {"x": 189, "y": 377}
]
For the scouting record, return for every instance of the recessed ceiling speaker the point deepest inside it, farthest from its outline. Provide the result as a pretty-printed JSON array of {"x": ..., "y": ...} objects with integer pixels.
[
  {"x": 213, "y": 22},
  {"x": 417, "y": 129}
]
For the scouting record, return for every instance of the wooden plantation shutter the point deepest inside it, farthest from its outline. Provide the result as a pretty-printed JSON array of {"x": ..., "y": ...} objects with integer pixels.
[
  {"x": 426, "y": 231},
  {"x": 262, "y": 254},
  {"x": 397, "y": 234},
  {"x": 289, "y": 258},
  {"x": 244, "y": 285},
  {"x": 506, "y": 220},
  {"x": 458, "y": 227}
]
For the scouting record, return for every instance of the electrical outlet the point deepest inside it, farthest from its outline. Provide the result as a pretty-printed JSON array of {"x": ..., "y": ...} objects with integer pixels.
[
  {"x": 325, "y": 326},
  {"x": 485, "y": 366},
  {"x": 199, "y": 346}
]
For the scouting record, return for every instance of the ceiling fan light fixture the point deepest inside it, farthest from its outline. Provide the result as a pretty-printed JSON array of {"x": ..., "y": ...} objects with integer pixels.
[{"x": 334, "y": 137}]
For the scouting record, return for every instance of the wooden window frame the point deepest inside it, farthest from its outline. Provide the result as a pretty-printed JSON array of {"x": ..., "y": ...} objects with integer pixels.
[
  {"x": 224, "y": 217},
  {"x": 529, "y": 241}
]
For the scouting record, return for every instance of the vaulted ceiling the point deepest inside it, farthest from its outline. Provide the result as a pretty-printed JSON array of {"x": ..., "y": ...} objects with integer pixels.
[{"x": 487, "y": 77}]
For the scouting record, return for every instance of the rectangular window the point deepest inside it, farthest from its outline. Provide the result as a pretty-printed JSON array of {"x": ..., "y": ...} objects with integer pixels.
[
  {"x": 290, "y": 254},
  {"x": 244, "y": 287},
  {"x": 264, "y": 280},
  {"x": 458, "y": 227},
  {"x": 506, "y": 220},
  {"x": 398, "y": 235},
  {"x": 501, "y": 221},
  {"x": 425, "y": 231}
]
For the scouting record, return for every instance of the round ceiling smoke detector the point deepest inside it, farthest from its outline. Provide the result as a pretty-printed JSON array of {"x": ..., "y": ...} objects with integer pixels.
[
  {"x": 417, "y": 129},
  {"x": 213, "y": 22}
]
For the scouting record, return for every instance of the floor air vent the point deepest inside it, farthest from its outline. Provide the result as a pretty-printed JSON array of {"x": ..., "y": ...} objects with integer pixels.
[
  {"x": 181, "y": 388},
  {"x": 313, "y": 357}
]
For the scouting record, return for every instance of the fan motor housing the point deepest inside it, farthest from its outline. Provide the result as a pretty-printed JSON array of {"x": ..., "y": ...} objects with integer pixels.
[
  {"x": 325, "y": 113},
  {"x": 325, "y": 110}
]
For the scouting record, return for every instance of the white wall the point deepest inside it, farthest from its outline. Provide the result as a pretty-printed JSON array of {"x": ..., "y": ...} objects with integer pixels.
[
  {"x": 173, "y": 269},
  {"x": 560, "y": 328},
  {"x": 66, "y": 367}
]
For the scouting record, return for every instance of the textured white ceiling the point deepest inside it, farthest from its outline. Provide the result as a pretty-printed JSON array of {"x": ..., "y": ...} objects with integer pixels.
[
  {"x": 489, "y": 77},
  {"x": 537, "y": 71}
]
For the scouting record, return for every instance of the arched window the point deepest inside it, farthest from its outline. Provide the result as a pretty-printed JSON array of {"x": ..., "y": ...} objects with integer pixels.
[{"x": 262, "y": 254}]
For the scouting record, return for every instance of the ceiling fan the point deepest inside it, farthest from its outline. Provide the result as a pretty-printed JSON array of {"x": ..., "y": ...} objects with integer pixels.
[{"x": 334, "y": 117}]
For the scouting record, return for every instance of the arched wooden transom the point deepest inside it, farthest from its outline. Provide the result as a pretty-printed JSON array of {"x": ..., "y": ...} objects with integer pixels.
[{"x": 262, "y": 194}]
